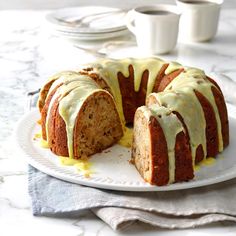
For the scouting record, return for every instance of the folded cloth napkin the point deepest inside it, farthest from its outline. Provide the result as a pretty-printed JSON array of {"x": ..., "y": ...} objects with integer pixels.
[{"x": 173, "y": 209}]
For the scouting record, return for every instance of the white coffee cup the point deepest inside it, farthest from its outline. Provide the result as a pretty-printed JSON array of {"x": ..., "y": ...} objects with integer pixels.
[
  {"x": 155, "y": 27},
  {"x": 199, "y": 19}
]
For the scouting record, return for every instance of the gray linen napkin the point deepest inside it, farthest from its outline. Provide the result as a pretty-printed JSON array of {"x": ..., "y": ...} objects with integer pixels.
[{"x": 173, "y": 209}]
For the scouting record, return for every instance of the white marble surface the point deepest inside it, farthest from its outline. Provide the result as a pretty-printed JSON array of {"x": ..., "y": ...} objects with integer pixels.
[{"x": 27, "y": 57}]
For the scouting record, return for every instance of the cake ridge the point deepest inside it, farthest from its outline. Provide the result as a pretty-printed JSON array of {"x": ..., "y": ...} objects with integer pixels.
[
  {"x": 196, "y": 79},
  {"x": 171, "y": 126}
]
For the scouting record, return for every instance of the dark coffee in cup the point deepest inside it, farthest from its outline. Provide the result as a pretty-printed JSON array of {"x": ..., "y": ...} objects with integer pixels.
[
  {"x": 157, "y": 12},
  {"x": 196, "y": 2},
  {"x": 156, "y": 27},
  {"x": 199, "y": 19}
]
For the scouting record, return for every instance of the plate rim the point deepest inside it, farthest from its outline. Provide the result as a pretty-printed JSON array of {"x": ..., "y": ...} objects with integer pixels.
[
  {"x": 66, "y": 175},
  {"x": 97, "y": 37}
]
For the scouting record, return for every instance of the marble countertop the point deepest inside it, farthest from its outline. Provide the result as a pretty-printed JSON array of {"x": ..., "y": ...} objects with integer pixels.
[{"x": 28, "y": 55}]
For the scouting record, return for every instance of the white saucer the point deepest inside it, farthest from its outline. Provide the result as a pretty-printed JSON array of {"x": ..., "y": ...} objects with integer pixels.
[
  {"x": 90, "y": 37},
  {"x": 113, "y": 21}
]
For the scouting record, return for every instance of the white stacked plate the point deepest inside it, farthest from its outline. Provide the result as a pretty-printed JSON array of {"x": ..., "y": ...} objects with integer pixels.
[{"x": 88, "y": 23}]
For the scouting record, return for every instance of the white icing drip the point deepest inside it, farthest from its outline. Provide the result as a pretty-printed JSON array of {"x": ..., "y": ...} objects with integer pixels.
[
  {"x": 173, "y": 66},
  {"x": 108, "y": 70},
  {"x": 186, "y": 104},
  {"x": 60, "y": 93},
  {"x": 70, "y": 105},
  {"x": 52, "y": 80},
  {"x": 63, "y": 78},
  {"x": 171, "y": 126},
  {"x": 195, "y": 79},
  {"x": 153, "y": 65}
]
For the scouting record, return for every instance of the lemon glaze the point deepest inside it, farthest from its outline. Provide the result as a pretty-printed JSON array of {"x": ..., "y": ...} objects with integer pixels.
[
  {"x": 194, "y": 78},
  {"x": 37, "y": 136},
  {"x": 44, "y": 91},
  {"x": 63, "y": 91},
  {"x": 173, "y": 66},
  {"x": 42, "y": 143},
  {"x": 209, "y": 161},
  {"x": 83, "y": 166},
  {"x": 126, "y": 140},
  {"x": 171, "y": 126},
  {"x": 70, "y": 104}
]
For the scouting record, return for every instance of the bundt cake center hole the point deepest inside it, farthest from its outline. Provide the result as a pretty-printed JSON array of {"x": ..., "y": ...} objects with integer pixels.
[{"x": 129, "y": 125}]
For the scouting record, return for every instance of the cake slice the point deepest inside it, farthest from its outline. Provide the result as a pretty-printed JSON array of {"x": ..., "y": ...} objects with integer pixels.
[
  {"x": 161, "y": 151},
  {"x": 81, "y": 119}
]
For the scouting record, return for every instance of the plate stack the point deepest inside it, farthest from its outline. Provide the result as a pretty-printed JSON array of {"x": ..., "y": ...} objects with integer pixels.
[{"x": 88, "y": 23}]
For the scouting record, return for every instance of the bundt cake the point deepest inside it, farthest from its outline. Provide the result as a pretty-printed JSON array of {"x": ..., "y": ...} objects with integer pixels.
[{"x": 178, "y": 114}]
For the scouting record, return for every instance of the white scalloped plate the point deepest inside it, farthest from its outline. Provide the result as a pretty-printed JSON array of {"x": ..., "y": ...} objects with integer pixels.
[
  {"x": 111, "y": 22},
  {"x": 112, "y": 169}
]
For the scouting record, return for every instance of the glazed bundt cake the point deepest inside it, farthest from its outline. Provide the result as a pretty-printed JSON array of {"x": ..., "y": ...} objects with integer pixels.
[{"x": 178, "y": 114}]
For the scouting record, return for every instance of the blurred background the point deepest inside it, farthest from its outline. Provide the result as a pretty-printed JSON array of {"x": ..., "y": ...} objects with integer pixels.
[{"x": 53, "y": 4}]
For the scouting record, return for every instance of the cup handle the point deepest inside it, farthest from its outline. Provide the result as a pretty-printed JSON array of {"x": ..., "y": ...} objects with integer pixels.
[{"x": 130, "y": 21}]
